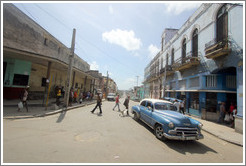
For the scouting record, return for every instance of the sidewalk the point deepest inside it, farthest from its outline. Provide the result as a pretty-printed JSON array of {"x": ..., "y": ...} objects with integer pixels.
[
  {"x": 221, "y": 131},
  {"x": 37, "y": 110}
]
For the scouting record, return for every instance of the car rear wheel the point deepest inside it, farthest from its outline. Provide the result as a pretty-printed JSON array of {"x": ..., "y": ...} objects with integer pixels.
[{"x": 159, "y": 132}]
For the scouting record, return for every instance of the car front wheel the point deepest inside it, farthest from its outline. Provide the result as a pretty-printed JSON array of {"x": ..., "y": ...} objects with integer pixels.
[
  {"x": 135, "y": 116},
  {"x": 159, "y": 132}
]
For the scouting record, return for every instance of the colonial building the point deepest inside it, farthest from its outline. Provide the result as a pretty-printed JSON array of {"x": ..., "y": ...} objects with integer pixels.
[
  {"x": 202, "y": 62},
  {"x": 32, "y": 56}
]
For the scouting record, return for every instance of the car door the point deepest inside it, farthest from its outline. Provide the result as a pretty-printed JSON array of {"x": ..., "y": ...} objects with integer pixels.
[
  {"x": 142, "y": 110},
  {"x": 146, "y": 113}
]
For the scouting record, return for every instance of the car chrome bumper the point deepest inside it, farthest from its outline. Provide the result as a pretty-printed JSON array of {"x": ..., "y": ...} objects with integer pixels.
[{"x": 183, "y": 138}]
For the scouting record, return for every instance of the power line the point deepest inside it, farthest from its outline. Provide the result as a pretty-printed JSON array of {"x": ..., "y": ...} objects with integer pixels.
[{"x": 100, "y": 50}]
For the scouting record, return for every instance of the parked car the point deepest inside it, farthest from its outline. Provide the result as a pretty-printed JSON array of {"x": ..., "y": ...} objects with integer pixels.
[
  {"x": 111, "y": 97},
  {"x": 167, "y": 123},
  {"x": 171, "y": 99}
]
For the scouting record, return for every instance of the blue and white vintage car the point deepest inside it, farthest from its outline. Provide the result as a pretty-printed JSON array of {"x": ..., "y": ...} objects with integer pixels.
[{"x": 161, "y": 115}]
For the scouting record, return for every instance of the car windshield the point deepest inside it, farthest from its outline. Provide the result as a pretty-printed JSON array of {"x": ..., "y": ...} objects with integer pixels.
[{"x": 165, "y": 106}]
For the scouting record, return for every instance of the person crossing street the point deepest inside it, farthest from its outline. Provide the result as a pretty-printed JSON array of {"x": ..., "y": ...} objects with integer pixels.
[{"x": 99, "y": 103}]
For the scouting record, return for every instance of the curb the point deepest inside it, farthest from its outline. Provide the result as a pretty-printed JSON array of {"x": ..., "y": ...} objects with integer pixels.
[
  {"x": 48, "y": 113},
  {"x": 235, "y": 143}
]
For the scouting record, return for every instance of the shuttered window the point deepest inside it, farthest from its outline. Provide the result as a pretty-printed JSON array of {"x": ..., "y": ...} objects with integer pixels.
[{"x": 211, "y": 81}]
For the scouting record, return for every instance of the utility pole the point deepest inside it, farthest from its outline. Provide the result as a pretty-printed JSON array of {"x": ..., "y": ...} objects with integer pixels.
[{"x": 69, "y": 73}]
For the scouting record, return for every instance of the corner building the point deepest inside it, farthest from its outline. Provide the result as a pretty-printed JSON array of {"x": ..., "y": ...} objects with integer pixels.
[{"x": 202, "y": 62}]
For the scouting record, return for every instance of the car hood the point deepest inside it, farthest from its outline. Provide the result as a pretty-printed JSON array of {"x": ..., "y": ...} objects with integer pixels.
[{"x": 176, "y": 117}]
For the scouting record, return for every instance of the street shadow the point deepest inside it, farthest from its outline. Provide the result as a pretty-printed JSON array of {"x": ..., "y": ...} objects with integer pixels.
[
  {"x": 183, "y": 147},
  {"x": 62, "y": 116}
]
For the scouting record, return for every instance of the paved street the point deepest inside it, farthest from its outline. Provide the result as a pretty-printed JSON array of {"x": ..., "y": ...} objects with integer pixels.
[{"x": 78, "y": 136}]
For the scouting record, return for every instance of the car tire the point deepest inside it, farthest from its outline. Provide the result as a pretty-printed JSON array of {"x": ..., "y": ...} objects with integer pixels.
[{"x": 159, "y": 132}]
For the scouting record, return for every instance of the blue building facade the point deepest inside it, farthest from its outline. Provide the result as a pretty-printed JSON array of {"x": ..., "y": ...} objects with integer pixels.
[{"x": 203, "y": 61}]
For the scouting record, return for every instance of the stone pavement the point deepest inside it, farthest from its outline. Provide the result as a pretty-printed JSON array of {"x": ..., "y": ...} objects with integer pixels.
[{"x": 36, "y": 109}]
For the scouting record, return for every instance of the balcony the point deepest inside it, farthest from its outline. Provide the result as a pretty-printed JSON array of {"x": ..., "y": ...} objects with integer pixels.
[
  {"x": 215, "y": 49},
  {"x": 169, "y": 70},
  {"x": 186, "y": 62}
]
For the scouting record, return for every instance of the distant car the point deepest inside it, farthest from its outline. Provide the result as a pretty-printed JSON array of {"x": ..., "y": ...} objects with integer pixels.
[
  {"x": 111, "y": 97},
  {"x": 162, "y": 116}
]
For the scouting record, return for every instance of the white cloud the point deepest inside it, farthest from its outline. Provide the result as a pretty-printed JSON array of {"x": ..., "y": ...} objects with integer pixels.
[
  {"x": 127, "y": 83},
  {"x": 94, "y": 66},
  {"x": 123, "y": 38},
  {"x": 178, "y": 8},
  {"x": 111, "y": 10},
  {"x": 153, "y": 50}
]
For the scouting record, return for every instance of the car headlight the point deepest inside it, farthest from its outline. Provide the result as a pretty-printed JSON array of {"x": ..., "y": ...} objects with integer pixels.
[
  {"x": 200, "y": 126},
  {"x": 171, "y": 125}
]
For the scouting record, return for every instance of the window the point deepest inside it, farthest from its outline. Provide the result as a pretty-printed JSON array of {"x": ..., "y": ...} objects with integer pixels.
[
  {"x": 211, "y": 81},
  {"x": 195, "y": 43},
  {"x": 20, "y": 79},
  {"x": 143, "y": 103},
  {"x": 172, "y": 57},
  {"x": 222, "y": 24},
  {"x": 183, "y": 51},
  {"x": 165, "y": 106},
  {"x": 149, "y": 104},
  {"x": 161, "y": 62},
  {"x": 231, "y": 81}
]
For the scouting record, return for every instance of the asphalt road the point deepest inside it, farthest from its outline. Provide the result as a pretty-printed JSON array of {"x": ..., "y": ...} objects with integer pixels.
[{"x": 78, "y": 136}]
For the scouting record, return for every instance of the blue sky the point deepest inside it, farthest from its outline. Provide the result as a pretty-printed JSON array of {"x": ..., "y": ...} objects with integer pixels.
[{"x": 118, "y": 37}]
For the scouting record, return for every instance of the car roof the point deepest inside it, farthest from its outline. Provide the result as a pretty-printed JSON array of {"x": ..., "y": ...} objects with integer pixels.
[{"x": 156, "y": 100}]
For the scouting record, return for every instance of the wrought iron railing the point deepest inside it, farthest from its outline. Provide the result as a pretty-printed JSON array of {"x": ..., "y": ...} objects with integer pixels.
[
  {"x": 189, "y": 59},
  {"x": 169, "y": 68},
  {"x": 216, "y": 45}
]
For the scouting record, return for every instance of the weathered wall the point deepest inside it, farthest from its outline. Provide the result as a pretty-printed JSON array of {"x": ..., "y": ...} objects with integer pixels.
[{"x": 22, "y": 33}]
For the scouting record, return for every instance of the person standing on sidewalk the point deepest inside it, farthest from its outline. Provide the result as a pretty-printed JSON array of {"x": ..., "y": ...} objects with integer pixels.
[
  {"x": 222, "y": 112},
  {"x": 182, "y": 106},
  {"x": 177, "y": 104},
  {"x": 99, "y": 103},
  {"x": 23, "y": 98},
  {"x": 117, "y": 102}
]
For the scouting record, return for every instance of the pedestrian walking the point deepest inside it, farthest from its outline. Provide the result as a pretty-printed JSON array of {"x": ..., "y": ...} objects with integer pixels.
[
  {"x": 126, "y": 104},
  {"x": 99, "y": 103},
  {"x": 117, "y": 101},
  {"x": 23, "y": 99},
  {"x": 222, "y": 112},
  {"x": 80, "y": 97}
]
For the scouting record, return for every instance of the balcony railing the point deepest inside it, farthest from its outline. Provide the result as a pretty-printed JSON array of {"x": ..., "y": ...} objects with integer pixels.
[
  {"x": 169, "y": 70},
  {"x": 186, "y": 62},
  {"x": 215, "y": 49}
]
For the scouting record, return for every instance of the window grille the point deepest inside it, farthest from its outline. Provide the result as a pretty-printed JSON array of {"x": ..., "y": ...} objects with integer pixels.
[{"x": 211, "y": 81}]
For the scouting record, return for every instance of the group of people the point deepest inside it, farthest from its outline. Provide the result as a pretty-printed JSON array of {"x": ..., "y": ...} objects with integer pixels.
[
  {"x": 117, "y": 102},
  {"x": 75, "y": 96},
  {"x": 227, "y": 116},
  {"x": 180, "y": 106}
]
